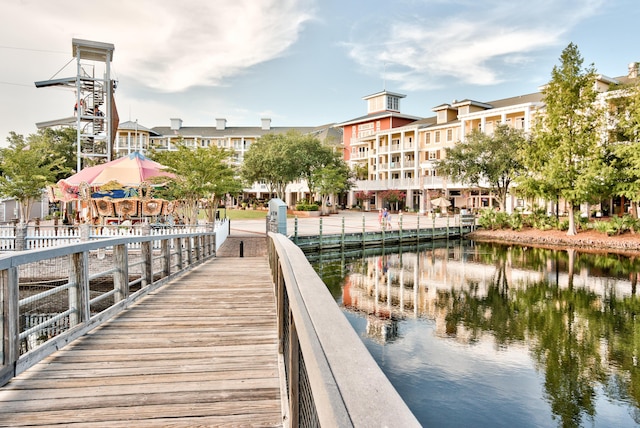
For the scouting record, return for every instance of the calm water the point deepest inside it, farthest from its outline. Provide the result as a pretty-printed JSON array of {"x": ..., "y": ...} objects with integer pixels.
[{"x": 481, "y": 335}]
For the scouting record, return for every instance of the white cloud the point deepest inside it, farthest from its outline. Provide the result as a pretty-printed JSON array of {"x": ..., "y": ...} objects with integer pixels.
[
  {"x": 163, "y": 44},
  {"x": 472, "y": 44}
]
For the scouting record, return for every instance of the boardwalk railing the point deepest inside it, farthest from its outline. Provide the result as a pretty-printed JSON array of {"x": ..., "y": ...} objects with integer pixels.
[
  {"x": 52, "y": 296},
  {"x": 385, "y": 235},
  {"x": 34, "y": 237},
  {"x": 332, "y": 380}
]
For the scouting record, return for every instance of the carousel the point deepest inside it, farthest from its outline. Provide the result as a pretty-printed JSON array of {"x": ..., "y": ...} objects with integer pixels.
[{"x": 114, "y": 192}]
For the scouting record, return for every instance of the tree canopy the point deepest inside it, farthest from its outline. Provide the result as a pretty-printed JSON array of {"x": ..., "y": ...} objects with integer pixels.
[
  {"x": 281, "y": 159},
  {"x": 201, "y": 174},
  {"x": 565, "y": 159},
  {"x": 625, "y": 145},
  {"x": 27, "y": 168},
  {"x": 486, "y": 160},
  {"x": 332, "y": 179}
]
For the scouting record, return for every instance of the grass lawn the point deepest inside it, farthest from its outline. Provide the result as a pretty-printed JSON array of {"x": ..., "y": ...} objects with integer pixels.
[{"x": 244, "y": 214}]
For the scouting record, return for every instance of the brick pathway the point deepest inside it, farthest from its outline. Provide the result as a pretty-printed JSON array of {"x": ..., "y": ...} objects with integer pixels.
[{"x": 253, "y": 246}]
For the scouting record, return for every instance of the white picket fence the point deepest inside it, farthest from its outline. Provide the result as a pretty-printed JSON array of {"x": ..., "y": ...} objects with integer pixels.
[{"x": 53, "y": 236}]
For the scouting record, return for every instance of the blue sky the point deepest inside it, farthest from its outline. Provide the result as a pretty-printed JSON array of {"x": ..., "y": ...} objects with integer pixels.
[{"x": 300, "y": 62}]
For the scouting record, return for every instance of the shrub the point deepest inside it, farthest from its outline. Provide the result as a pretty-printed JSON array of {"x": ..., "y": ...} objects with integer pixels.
[
  {"x": 601, "y": 226},
  {"x": 304, "y": 206},
  {"x": 492, "y": 219},
  {"x": 516, "y": 222},
  {"x": 486, "y": 219},
  {"x": 617, "y": 225}
]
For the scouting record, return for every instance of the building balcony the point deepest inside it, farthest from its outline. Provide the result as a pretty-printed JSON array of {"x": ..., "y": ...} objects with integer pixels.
[{"x": 419, "y": 183}]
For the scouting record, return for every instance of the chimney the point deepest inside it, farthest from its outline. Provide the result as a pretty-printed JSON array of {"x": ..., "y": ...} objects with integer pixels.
[
  {"x": 176, "y": 124},
  {"x": 221, "y": 124},
  {"x": 633, "y": 70},
  {"x": 266, "y": 124}
]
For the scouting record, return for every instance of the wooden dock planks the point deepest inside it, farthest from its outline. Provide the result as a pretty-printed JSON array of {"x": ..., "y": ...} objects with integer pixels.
[{"x": 201, "y": 351}]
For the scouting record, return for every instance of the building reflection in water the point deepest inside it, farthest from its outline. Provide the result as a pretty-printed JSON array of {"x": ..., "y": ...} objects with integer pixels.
[
  {"x": 392, "y": 287},
  {"x": 566, "y": 318}
]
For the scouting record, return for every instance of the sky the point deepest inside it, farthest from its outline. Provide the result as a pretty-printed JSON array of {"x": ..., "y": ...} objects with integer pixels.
[{"x": 299, "y": 62}]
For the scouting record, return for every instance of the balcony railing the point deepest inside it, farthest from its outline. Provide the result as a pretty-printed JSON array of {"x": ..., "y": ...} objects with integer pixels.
[{"x": 408, "y": 184}]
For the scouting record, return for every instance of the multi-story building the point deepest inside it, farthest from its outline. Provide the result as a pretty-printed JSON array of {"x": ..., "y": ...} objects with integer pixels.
[
  {"x": 133, "y": 137},
  {"x": 396, "y": 150},
  {"x": 401, "y": 151},
  {"x": 402, "y": 155}
]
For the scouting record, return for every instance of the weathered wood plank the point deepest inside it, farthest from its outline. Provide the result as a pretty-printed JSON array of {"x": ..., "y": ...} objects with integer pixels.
[{"x": 201, "y": 351}]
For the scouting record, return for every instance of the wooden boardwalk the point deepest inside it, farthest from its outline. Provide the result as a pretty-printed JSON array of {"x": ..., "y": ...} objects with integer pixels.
[{"x": 200, "y": 351}]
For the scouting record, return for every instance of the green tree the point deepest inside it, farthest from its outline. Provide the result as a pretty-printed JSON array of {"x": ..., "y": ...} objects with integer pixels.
[
  {"x": 280, "y": 159},
  {"x": 361, "y": 171},
  {"x": 626, "y": 145},
  {"x": 62, "y": 143},
  {"x": 491, "y": 161},
  {"x": 267, "y": 161},
  {"x": 313, "y": 156},
  {"x": 27, "y": 168},
  {"x": 201, "y": 175},
  {"x": 565, "y": 159},
  {"x": 331, "y": 180}
]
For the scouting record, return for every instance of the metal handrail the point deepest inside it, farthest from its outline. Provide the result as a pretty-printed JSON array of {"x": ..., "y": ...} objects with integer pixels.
[{"x": 332, "y": 380}]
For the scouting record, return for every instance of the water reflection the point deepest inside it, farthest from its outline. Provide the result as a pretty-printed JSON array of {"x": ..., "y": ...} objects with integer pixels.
[{"x": 573, "y": 314}]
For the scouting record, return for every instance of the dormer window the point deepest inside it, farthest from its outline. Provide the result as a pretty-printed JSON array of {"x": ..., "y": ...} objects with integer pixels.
[
  {"x": 393, "y": 103},
  {"x": 381, "y": 101}
]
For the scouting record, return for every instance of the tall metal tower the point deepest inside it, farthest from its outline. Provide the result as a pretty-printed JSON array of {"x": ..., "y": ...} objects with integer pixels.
[{"x": 94, "y": 114}]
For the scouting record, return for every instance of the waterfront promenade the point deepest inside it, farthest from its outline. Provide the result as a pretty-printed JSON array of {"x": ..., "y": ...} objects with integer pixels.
[{"x": 333, "y": 224}]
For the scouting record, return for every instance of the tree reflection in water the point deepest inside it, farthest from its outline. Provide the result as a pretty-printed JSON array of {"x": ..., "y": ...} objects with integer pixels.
[{"x": 575, "y": 311}]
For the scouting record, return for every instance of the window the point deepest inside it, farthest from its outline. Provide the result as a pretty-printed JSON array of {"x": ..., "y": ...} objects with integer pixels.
[
  {"x": 437, "y": 136},
  {"x": 449, "y": 134},
  {"x": 392, "y": 103},
  {"x": 435, "y": 154},
  {"x": 427, "y": 138}
]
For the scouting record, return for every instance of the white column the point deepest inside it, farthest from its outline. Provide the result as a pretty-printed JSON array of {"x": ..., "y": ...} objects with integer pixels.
[{"x": 377, "y": 147}]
